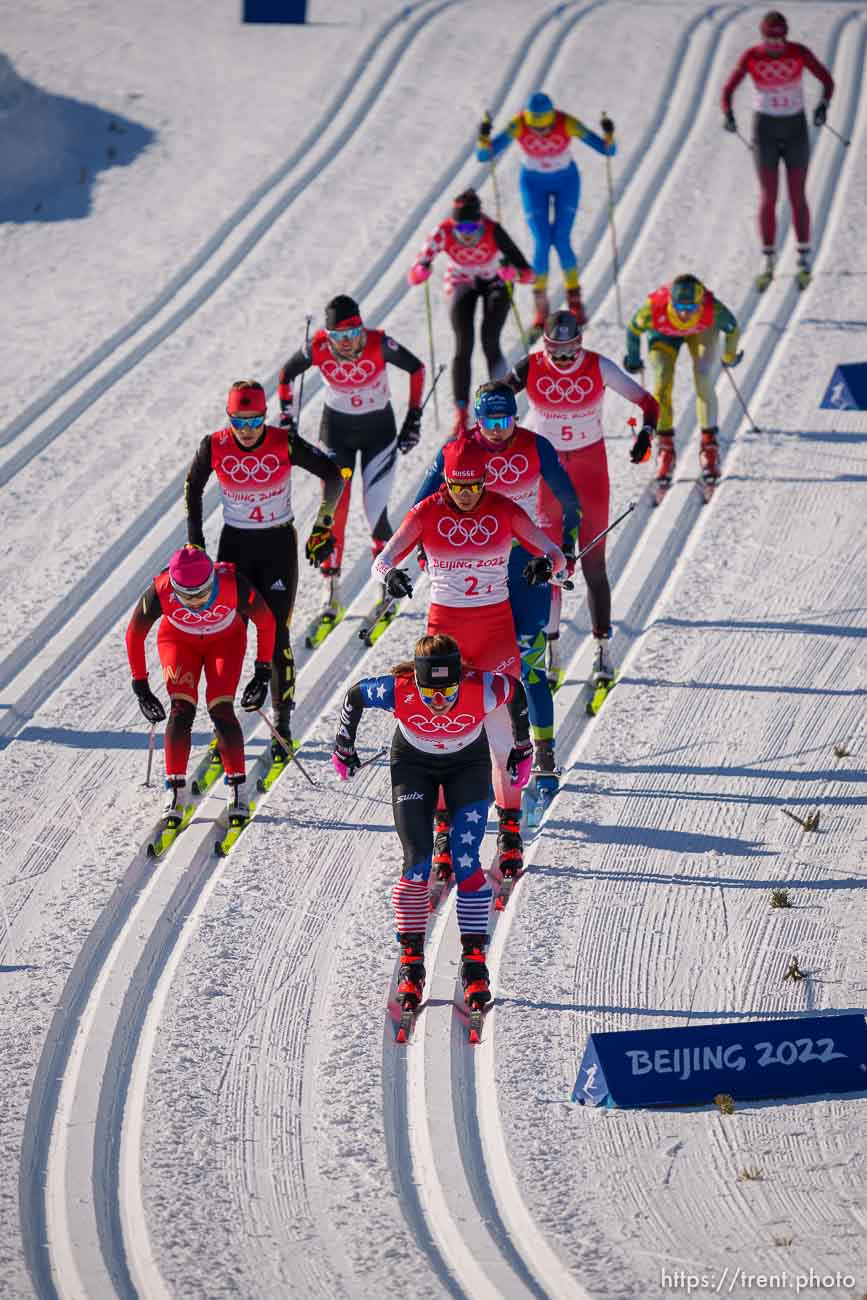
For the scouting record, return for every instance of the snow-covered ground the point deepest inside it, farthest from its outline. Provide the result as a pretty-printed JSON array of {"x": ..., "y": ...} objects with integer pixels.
[{"x": 200, "y": 1093}]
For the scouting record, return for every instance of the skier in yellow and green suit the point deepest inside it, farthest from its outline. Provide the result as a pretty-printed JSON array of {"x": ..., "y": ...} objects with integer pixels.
[{"x": 677, "y": 313}]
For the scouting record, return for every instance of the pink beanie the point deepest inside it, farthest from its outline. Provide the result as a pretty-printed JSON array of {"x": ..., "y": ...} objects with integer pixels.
[{"x": 190, "y": 569}]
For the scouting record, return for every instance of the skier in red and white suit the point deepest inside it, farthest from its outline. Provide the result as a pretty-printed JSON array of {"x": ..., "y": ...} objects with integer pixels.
[
  {"x": 203, "y": 610},
  {"x": 566, "y": 385},
  {"x": 357, "y": 417},
  {"x": 467, "y": 533}
]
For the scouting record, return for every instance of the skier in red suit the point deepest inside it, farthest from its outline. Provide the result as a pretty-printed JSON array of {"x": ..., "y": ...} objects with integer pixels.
[
  {"x": 202, "y": 609},
  {"x": 777, "y": 66}
]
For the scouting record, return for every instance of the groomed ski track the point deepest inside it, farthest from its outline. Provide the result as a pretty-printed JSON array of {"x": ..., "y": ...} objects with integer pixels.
[{"x": 437, "y": 1092}]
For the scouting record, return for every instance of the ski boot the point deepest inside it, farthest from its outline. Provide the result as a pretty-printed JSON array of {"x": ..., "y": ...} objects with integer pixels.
[
  {"x": 460, "y": 424},
  {"x": 709, "y": 460},
  {"x": 237, "y": 804},
  {"x": 210, "y": 771},
  {"x": 379, "y": 617},
  {"x": 575, "y": 305},
  {"x": 330, "y": 614},
  {"x": 173, "y": 809},
  {"x": 410, "y": 986},
  {"x": 604, "y": 675},
  {"x": 802, "y": 274},
  {"x": 666, "y": 459},
  {"x": 766, "y": 276},
  {"x": 542, "y": 309},
  {"x": 474, "y": 972},
  {"x": 510, "y": 853},
  {"x": 544, "y": 782},
  {"x": 553, "y": 670},
  {"x": 442, "y": 857}
]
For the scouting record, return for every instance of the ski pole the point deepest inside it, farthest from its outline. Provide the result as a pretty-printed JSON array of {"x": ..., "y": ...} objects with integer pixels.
[
  {"x": 619, "y": 519},
  {"x": 754, "y": 427},
  {"x": 151, "y": 746},
  {"x": 433, "y": 360},
  {"x": 616, "y": 254},
  {"x": 745, "y": 142},
  {"x": 496, "y": 184},
  {"x": 286, "y": 746},
  {"x": 379, "y": 753},
  {"x": 307, "y": 320},
  {"x": 440, "y": 368},
  {"x": 844, "y": 140}
]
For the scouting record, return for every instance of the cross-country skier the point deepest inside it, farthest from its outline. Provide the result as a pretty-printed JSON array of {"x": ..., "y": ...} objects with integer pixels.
[
  {"x": 549, "y": 180},
  {"x": 440, "y": 706},
  {"x": 253, "y": 463},
  {"x": 483, "y": 264},
  {"x": 684, "y": 311},
  {"x": 203, "y": 610},
  {"x": 518, "y": 464},
  {"x": 467, "y": 532},
  {"x": 357, "y": 419},
  {"x": 776, "y": 66},
  {"x": 565, "y": 384}
]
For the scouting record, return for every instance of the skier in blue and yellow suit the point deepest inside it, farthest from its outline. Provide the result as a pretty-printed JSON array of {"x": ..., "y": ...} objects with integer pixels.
[{"x": 549, "y": 178}]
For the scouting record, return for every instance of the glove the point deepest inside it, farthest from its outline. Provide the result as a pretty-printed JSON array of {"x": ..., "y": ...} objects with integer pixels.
[
  {"x": 421, "y": 557},
  {"x": 537, "y": 570},
  {"x": 520, "y": 762},
  {"x": 418, "y": 272},
  {"x": 397, "y": 583},
  {"x": 729, "y": 123},
  {"x": 506, "y": 272},
  {"x": 410, "y": 430},
  {"x": 486, "y": 126},
  {"x": 321, "y": 541},
  {"x": 257, "y": 687},
  {"x": 734, "y": 361},
  {"x": 344, "y": 760},
  {"x": 820, "y": 112},
  {"x": 632, "y": 366},
  {"x": 150, "y": 706},
  {"x": 639, "y": 452},
  {"x": 607, "y": 128},
  {"x": 287, "y": 419}
]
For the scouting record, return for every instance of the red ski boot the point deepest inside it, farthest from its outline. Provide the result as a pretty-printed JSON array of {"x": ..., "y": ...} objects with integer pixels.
[
  {"x": 666, "y": 459},
  {"x": 474, "y": 972},
  {"x": 709, "y": 456},
  {"x": 410, "y": 987},
  {"x": 442, "y": 857}
]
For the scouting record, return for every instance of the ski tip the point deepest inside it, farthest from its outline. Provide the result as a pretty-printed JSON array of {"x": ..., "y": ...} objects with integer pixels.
[
  {"x": 400, "y": 1036},
  {"x": 151, "y": 851},
  {"x": 475, "y": 1037},
  {"x": 500, "y": 904}
]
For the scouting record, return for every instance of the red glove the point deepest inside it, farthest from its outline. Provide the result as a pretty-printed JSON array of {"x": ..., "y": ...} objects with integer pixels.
[
  {"x": 418, "y": 273},
  {"x": 506, "y": 272}
]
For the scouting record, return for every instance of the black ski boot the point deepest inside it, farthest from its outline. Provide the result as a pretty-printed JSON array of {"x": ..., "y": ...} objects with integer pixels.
[
  {"x": 474, "y": 972},
  {"x": 410, "y": 987},
  {"x": 282, "y": 719},
  {"x": 510, "y": 846},
  {"x": 442, "y": 854}
]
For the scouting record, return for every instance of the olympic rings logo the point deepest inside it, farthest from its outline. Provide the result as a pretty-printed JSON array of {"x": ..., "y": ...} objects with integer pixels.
[
  {"x": 474, "y": 256},
  {"x": 250, "y": 469},
  {"x": 449, "y": 723},
  {"x": 565, "y": 388},
  {"x": 507, "y": 470},
  {"x": 348, "y": 372},
  {"x": 467, "y": 532},
  {"x": 778, "y": 70},
  {"x": 546, "y": 143},
  {"x": 192, "y": 617}
]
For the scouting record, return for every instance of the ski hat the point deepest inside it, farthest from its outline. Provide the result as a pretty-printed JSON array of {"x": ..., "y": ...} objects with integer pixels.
[
  {"x": 495, "y": 399},
  {"x": 687, "y": 291},
  {"x": 467, "y": 207},
  {"x": 774, "y": 25},
  {"x": 464, "y": 462},
  {"x": 437, "y": 662},
  {"x": 539, "y": 110},
  {"x": 342, "y": 313},
  {"x": 246, "y": 397},
  {"x": 190, "y": 571},
  {"x": 563, "y": 335}
]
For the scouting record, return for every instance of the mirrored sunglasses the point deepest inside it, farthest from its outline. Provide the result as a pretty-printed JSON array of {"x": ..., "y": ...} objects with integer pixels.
[
  {"x": 496, "y": 421},
  {"x": 447, "y": 693},
  {"x": 246, "y": 421},
  {"x": 455, "y": 485},
  {"x": 351, "y": 332},
  {"x": 468, "y": 227}
]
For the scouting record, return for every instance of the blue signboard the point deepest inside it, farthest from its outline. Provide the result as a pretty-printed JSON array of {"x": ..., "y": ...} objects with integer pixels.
[
  {"x": 756, "y": 1058},
  {"x": 847, "y": 390}
]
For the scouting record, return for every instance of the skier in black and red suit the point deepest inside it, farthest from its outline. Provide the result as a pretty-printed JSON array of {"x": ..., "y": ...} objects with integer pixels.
[
  {"x": 253, "y": 462},
  {"x": 357, "y": 418}
]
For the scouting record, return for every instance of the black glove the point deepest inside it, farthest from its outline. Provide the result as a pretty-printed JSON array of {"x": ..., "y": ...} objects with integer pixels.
[
  {"x": 410, "y": 430},
  {"x": 344, "y": 756},
  {"x": 397, "y": 583},
  {"x": 640, "y": 449},
  {"x": 820, "y": 112},
  {"x": 607, "y": 125},
  {"x": 729, "y": 123},
  {"x": 735, "y": 361},
  {"x": 321, "y": 541},
  {"x": 150, "y": 706},
  {"x": 537, "y": 571},
  {"x": 633, "y": 366},
  {"x": 287, "y": 419},
  {"x": 486, "y": 126},
  {"x": 257, "y": 687}
]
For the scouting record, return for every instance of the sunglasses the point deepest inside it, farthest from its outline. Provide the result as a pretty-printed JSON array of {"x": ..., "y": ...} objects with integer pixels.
[
  {"x": 351, "y": 332},
  {"x": 190, "y": 597},
  {"x": 468, "y": 227},
  {"x": 448, "y": 693},
  {"x": 685, "y": 307},
  {"x": 455, "y": 486},
  {"x": 496, "y": 421},
  {"x": 246, "y": 421}
]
